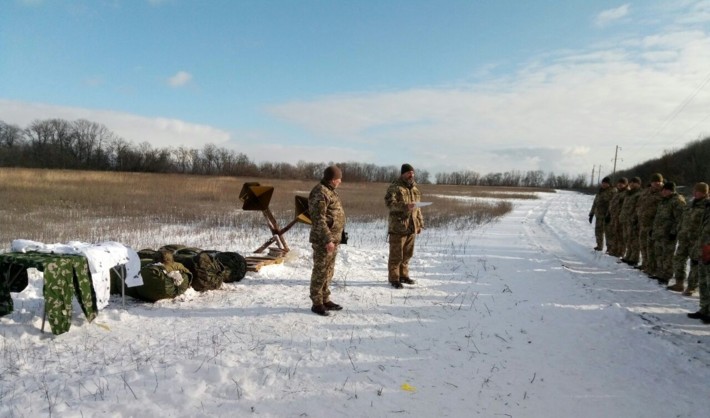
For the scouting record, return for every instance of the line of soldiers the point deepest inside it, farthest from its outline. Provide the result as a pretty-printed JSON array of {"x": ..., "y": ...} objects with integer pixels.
[{"x": 654, "y": 230}]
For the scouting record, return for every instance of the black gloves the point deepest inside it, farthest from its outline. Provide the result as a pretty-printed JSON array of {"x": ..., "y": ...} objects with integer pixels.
[{"x": 590, "y": 218}]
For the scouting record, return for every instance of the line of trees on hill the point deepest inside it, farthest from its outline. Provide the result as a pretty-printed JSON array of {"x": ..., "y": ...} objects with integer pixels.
[
  {"x": 685, "y": 166},
  {"x": 533, "y": 178}
]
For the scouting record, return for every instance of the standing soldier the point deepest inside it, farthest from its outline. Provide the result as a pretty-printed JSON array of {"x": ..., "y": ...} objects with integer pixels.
[
  {"x": 701, "y": 252},
  {"x": 664, "y": 234},
  {"x": 629, "y": 219},
  {"x": 646, "y": 210},
  {"x": 327, "y": 225},
  {"x": 600, "y": 209},
  {"x": 688, "y": 232},
  {"x": 616, "y": 229},
  {"x": 404, "y": 223}
]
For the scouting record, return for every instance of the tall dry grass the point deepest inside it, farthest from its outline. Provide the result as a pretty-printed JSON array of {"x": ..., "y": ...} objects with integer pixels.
[{"x": 61, "y": 205}]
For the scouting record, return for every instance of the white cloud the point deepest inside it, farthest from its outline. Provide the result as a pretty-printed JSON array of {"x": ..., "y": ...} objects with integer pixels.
[
  {"x": 561, "y": 115},
  {"x": 180, "y": 79},
  {"x": 159, "y": 132},
  {"x": 611, "y": 15}
]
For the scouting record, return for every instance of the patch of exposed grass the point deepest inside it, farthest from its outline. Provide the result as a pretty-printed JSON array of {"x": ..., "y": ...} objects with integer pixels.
[{"x": 62, "y": 205}]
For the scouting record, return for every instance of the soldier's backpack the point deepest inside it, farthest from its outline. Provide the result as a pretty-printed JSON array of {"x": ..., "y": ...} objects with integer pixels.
[
  {"x": 235, "y": 265},
  {"x": 157, "y": 284},
  {"x": 209, "y": 273}
]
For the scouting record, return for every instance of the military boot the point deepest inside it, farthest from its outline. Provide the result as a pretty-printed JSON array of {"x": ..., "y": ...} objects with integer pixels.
[
  {"x": 689, "y": 291},
  {"x": 320, "y": 310},
  {"x": 677, "y": 287}
]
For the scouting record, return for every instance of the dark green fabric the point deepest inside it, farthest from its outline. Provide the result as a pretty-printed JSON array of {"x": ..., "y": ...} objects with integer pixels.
[
  {"x": 64, "y": 276},
  {"x": 209, "y": 273},
  {"x": 157, "y": 284},
  {"x": 234, "y": 264}
]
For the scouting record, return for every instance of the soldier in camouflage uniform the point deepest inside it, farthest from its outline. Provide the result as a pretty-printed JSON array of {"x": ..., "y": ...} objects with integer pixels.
[
  {"x": 629, "y": 220},
  {"x": 701, "y": 252},
  {"x": 600, "y": 209},
  {"x": 688, "y": 232},
  {"x": 646, "y": 210},
  {"x": 327, "y": 226},
  {"x": 664, "y": 234},
  {"x": 404, "y": 223},
  {"x": 616, "y": 244}
]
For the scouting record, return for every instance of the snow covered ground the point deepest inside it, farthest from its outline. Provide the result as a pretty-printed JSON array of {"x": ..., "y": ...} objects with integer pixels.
[{"x": 518, "y": 318}]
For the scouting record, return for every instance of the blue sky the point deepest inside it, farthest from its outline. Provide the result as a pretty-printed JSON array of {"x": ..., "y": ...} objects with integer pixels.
[{"x": 488, "y": 86}]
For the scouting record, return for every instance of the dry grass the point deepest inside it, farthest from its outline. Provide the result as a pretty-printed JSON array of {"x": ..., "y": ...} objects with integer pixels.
[{"x": 60, "y": 205}]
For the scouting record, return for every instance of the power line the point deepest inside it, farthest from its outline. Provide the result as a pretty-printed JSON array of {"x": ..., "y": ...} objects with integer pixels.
[{"x": 682, "y": 106}]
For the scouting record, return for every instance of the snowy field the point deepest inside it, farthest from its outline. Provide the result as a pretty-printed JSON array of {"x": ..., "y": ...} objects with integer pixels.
[{"x": 517, "y": 318}]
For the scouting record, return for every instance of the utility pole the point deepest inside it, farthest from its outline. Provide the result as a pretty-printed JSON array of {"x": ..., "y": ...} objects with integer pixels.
[
  {"x": 599, "y": 175},
  {"x": 616, "y": 153},
  {"x": 591, "y": 183}
]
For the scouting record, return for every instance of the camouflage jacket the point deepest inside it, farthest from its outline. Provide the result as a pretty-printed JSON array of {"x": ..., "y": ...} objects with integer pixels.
[
  {"x": 617, "y": 202},
  {"x": 668, "y": 214},
  {"x": 402, "y": 221},
  {"x": 691, "y": 221},
  {"x": 647, "y": 205},
  {"x": 628, "y": 209},
  {"x": 327, "y": 215},
  {"x": 704, "y": 235},
  {"x": 600, "y": 206}
]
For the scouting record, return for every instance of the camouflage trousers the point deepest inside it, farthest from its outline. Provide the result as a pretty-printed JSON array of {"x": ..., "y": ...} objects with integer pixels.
[
  {"x": 601, "y": 229},
  {"x": 401, "y": 251},
  {"x": 631, "y": 238},
  {"x": 645, "y": 248},
  {"x": 322, "y": 274},
  {"x": 704, "y": 287},
  {"x": 663, "y": 251},
  {"x": 615, "y": 238},
  {"x": 680, "y": 261}
]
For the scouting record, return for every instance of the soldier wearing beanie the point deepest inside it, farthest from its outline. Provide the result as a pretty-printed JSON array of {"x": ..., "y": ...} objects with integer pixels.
[
  {"x": 629, "y": 219},
  {"x": 646, "y": 211},
  {"x": 665, "y": 231},
  {"x": 600, "y": 209},
  {"x": 405, "y": 221},
  {"x": 616, "y": 241},
  {"x": 327, "y": 226},
  {"x": 688, "y": 232}
]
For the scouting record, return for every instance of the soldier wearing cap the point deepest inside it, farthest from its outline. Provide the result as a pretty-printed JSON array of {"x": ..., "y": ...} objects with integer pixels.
[
  {"x": 688, "y": 232},
  {"x": 616, "y": 243},
  {"x": 327, "y": 226},
  {"x": 600, "y": 210},
  {"x": 405, "y": 221},
  {"x": 664, "y": 234},
  {"x": 646, "y": 211},
  {"x": 629, "y": 219}
]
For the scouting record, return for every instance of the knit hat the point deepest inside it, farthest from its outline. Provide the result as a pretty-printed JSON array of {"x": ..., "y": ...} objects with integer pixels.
[
  {"x": 622, "y": 180},
  {"x": 701, "y": 187},
  {"x": 656, "y": 177},
  {"x": 332, "y": 173},
  {"x": 406, "y": 168},
  {"x": 606, "y": 180},
  {"x": 636, "y": 180},
  {"x": 669, "y": 185}
]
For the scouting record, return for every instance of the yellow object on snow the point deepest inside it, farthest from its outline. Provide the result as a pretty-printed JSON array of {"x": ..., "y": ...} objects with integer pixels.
[{"x": 408, "y": 387}]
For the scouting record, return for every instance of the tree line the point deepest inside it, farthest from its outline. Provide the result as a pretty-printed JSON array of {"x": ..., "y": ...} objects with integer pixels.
[
  {"x": 685, "y": 166},
  {"x": 86, "y": 145}
]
